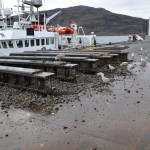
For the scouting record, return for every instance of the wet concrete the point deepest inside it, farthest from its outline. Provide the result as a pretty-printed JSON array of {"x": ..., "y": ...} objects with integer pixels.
[{"x": 117, "y": 118}]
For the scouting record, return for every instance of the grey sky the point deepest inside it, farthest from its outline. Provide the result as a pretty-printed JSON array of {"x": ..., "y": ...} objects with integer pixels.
[{"x": 135, "y": 8}]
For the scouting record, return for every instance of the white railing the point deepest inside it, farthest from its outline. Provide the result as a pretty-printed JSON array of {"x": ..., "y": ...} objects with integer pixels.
[{"x": 4, "y": 27}]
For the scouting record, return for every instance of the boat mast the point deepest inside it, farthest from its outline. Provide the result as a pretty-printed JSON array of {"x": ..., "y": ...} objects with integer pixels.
[
  {"x": 1, "y": 16},
  {"x": 32, "y": 4},
  {"x": 18, "y": 11}
]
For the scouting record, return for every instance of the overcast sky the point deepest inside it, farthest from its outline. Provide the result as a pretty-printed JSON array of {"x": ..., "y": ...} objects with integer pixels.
[{"x": 135, "y": 8}]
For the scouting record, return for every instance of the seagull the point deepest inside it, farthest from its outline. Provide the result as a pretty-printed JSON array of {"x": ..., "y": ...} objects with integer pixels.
[
  {"x": 130, "y": 66},
  {"x": 146, "y": 57},
  {"x": 104, "y": 79},
  {"x": 60, "y": 57},
  {"x": 144, "y": 53},
  {"x": 132, "y": 56},
  {"x": 125, "y": 67},
  {"x": 111, "y": 67},
  {"x": 143, "y": 61},
  {"x": 124, "y": 63}
]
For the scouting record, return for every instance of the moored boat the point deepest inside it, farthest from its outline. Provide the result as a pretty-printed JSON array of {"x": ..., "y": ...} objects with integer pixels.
[{"x": 28, "y": 34}]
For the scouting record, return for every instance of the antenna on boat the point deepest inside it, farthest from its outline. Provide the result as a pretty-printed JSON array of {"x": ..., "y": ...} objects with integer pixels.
[
  {"x": 18, "y": 6},
  {"x": 7, "y": 13},
  {"x": 33, "y": 3},
  {"x": 37, "y": 4}
]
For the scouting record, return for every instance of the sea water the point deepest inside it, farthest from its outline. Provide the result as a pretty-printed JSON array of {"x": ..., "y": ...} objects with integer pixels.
[{"x": 112, "y": 39}]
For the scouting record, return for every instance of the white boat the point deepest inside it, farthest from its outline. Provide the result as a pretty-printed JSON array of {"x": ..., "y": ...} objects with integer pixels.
[
  {"x": 78, "y": 39},
  {"x": 28, "y": 34}
]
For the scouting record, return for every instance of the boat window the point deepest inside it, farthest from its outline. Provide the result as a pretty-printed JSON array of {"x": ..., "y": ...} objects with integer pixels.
[
  {"x": 4, "y": 44},
  {"x": 32, "y": 42},
  {"x": 37, "y": 42},
  {"x": 47, "y": 41},
  {"x": 19, "y": 44},
  {"x": 52, "y": 40},
  {"x": 26, "y": 43},
  {"x": 42, "y": 42},
  {"x": 10, "y": 44}
]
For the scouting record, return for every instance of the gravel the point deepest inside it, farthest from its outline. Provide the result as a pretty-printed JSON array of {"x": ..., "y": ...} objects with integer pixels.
[{"x": 65, "y": 92}]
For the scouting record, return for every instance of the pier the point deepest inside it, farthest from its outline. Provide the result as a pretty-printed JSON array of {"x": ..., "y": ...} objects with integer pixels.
[{"x": 67, "y": 68}]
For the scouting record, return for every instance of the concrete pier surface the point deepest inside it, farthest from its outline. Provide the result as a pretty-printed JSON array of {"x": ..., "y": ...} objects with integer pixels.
[{"x": 115, "y": 118}]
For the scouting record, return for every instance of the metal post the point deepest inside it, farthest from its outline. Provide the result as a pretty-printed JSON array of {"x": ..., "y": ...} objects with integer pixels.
[
  {"x": 44, "y": 22},
  {"x": 149, "y": 28},
  {"x": 38, "y": 19},
  {"x": 61, "y": 42}
]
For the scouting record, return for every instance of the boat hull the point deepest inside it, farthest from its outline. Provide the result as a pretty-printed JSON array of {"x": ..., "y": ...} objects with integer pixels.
[{"x": 18, "y": 41}]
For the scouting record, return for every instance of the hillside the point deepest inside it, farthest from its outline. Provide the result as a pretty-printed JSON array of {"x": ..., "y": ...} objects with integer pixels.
[{"x": 100, "y": 21}]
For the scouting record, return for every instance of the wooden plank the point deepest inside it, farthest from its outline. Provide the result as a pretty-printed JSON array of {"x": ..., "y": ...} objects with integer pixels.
[
  {"x": 51, "y": 54},
  {"x": 31, "y": 62},
  {"x": 67, "y": 53},
  {"x": 18, "y": 70},
  {"x": 52, "y": 58},
  {"x": 37, "y": 63}
]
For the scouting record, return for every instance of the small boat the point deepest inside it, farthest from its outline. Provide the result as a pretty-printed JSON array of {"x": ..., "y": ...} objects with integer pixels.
[{"x": 77, "y": 36}]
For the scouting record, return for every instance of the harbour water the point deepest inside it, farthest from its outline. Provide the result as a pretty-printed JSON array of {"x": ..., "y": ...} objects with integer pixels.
[{"x": 112, "y": 39}]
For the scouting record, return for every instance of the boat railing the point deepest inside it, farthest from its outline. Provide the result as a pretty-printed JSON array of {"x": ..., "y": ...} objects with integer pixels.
[
  {"x": 8, "y": 27},
  {"x": 24, "y": 26},
  {"x": 35, "y": 27}
]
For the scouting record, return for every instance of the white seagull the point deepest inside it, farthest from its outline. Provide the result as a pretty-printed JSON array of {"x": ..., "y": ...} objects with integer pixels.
[
  {"x": 124, "y": 67},
  {"x": 60, "y": 57},
  {"x": 132, "y": 56},
  {"x": 130, "y": 67},
  {"x": 143, "y": 61},
  {"x": 104, "y": 79},
  {"x": 141, "y": 49},
  {"x": 124, "y": 63},
  {"x": 111, "y": 67},
  {"x": 146, "y": 57}
]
